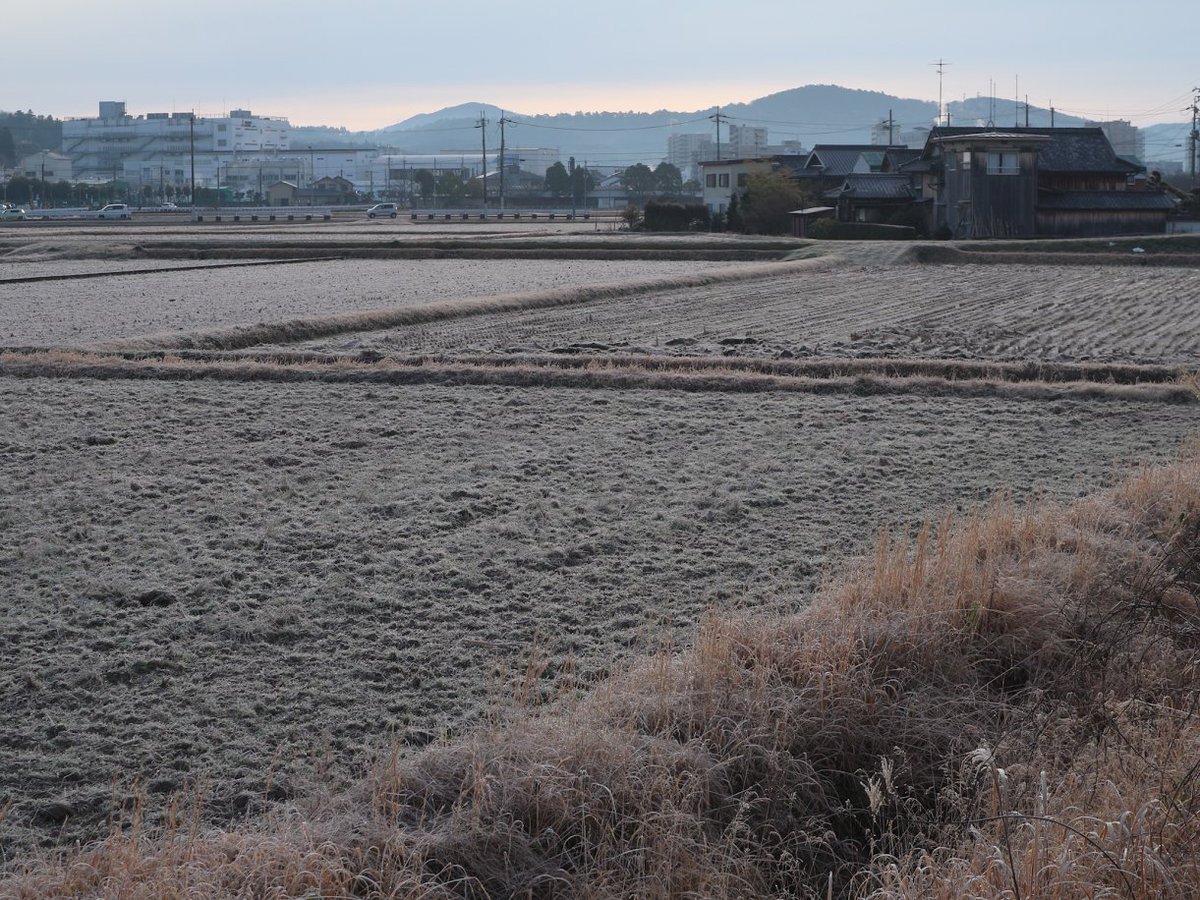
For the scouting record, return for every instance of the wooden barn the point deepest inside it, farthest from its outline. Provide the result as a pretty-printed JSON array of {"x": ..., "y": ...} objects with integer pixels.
[{"x": 1027, "y": 182}]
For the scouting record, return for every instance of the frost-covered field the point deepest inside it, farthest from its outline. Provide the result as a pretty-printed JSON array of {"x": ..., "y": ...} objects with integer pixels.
[
  {"x": 1049, "y": 313},
  {"x": 214, "y": 580},
  {"x": 86, "y": 310},
  {"x": 222, "y": 581}
]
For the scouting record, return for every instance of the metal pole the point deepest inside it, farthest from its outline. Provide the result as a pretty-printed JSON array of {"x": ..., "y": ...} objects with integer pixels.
[
  {"x": 482, "y": 126},
  {"x": 1195, "y": 135},
  {"x": 192, "y": 137},
  {"x": 503, "y": 121}
]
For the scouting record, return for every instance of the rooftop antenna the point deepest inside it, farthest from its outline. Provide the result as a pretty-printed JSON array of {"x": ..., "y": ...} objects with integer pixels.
[
  {"x": 991, "y": 122},
  {"x": 941, "y": 67},
  {"x": 1017, "y": 102}
]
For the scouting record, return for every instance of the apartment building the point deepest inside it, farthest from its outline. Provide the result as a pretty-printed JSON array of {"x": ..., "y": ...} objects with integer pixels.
[
  {"x": 686, "y": 151},
  {"x": 746, "y": 141}
]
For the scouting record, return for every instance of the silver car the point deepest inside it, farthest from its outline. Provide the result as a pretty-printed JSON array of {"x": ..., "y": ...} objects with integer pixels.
[{"x": 115, "y": 211}]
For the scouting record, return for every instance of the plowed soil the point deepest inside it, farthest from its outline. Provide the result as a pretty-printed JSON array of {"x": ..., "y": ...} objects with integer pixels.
[{"x": 242, "y": 583}]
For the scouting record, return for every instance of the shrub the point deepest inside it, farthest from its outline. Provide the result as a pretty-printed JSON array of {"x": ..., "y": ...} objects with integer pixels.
[{"x": 665, "y": 215}]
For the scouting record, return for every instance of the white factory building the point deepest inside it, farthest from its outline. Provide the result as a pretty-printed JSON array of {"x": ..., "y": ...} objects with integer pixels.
[
  {"x": 244, "y": 154},
  {"x": 158, "y": 147}
]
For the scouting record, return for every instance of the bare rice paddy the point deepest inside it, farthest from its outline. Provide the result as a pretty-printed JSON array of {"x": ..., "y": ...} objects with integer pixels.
[
  {"x": 214, "y": 580},
  {"x": 239, "y": 582},
  {"x": 1036, "y": 312},
  {"x": 97, "y": 309}
]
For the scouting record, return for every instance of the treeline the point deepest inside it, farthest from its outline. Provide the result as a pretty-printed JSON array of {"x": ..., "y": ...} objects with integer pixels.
[{"x": 23, "y": 133}]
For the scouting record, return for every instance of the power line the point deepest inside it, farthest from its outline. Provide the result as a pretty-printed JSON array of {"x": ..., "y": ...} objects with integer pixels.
[{"x": 601, "y": 130}]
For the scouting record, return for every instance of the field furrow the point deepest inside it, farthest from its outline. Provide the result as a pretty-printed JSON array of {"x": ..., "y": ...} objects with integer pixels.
[{"x": 992, "y": 312}]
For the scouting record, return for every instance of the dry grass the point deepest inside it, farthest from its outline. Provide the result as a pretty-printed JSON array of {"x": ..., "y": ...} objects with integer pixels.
[
  {"x": 693, "y": 374},
  {"x": 1002, "y": 705}
]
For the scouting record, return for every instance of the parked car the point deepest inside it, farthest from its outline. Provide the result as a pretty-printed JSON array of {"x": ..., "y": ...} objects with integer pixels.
[
  {"x": 12, "y": 212},
  {"x": 115, "y": 211},
  {"x": 383, "y": 209}
]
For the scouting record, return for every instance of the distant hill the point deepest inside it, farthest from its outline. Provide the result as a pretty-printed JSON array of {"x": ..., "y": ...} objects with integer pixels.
[
  {"x": 1005, "y": 113},
  {"x": 815, "y": 113},
  {"x": 810, "y": 114}
]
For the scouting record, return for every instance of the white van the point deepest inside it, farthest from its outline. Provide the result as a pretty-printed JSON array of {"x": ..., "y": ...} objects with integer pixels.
[{"x": 114, "y": 211}]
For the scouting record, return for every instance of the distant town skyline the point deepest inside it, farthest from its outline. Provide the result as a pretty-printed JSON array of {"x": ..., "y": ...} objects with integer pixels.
[{"x": 378, "y": 62}]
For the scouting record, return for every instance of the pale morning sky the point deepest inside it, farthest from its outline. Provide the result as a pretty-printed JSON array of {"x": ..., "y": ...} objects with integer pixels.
[{"x": 367, "y": 64}]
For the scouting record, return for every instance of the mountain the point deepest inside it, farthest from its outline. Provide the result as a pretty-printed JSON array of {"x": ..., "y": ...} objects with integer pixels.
[
  {"x": 1004, "y": 113},
  {"x": 1168, "y": 142},
  {"x": 812, "y": 114}
]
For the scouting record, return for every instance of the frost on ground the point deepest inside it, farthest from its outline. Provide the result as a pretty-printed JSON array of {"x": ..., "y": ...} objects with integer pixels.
[
  {"x": 1048, "y": 313},
  {"x": 224, "y": 580},
  {"x": 68, "y": 313}
]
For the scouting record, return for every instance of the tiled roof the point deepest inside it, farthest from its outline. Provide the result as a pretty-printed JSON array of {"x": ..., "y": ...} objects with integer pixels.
[
  {"x": 1108, "y": 200},
  {"x": 874, "y": 187},
  {"x": 835, "y": 160},
  {"x": 1069, "y": 150}
]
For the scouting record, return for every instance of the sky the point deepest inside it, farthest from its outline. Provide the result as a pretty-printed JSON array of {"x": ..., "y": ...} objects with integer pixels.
[{"x": 367, "y": 64}]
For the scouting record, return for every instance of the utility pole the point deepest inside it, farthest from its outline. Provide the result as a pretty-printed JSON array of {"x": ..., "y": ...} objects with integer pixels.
[
  {"x": 192, "y": 137},
  {"x": 504, "y": 120},
  {"x": 42, "y": 189},
  {"x": 891, "y": 128},
  {"x": 717, "y": 118},
  {"x": 1195, "y": 135},
  {"x": 941, "y": 67},
  {"x": 482, "y": 126},
  {"x": 571, "y": 172},
  {"x": 1026, "y": 110},
  {"x": 1051, "y": 113}
]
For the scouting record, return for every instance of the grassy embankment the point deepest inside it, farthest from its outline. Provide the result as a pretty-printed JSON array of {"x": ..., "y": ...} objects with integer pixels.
[{"x": 1000, "y": 705}]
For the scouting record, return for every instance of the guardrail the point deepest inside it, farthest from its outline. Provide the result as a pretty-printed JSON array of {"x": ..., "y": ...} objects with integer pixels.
[
  {"x": 263, "y": 214},
  {"x": 552, "y": 215}
]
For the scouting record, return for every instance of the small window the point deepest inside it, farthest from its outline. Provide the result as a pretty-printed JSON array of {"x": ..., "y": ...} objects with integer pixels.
[
  {"x": 723, "y": 180},
  {"x": 741, "y": 179},
  {"x": 1004, "y": 162},
  {"x": 710, "y": 180},
  {"x": 966, "y": 159}
]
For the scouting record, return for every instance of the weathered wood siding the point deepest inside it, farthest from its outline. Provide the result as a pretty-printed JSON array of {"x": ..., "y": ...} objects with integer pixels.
[
  {"x": 987, "y": 205},
  {"x": 1099, "y": 222}
]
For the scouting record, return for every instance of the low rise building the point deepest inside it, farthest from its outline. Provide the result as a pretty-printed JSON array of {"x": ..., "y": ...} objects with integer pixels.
[
  {"x": 721, "y": 178},
  {"x": 46, "y": 165},
  {"x": 1026, "y": 182}
]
